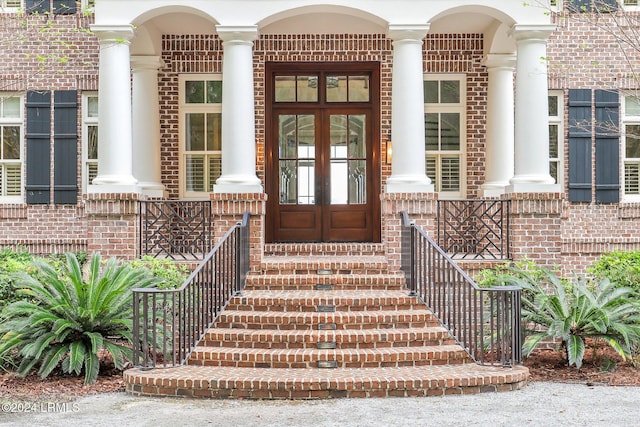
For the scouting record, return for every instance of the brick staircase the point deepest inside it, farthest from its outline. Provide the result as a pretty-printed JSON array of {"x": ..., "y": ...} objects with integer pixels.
[{"x": 323, "y": 321}]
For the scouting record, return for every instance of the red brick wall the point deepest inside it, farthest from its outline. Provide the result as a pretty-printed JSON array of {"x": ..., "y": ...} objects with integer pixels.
[
  {"x": 181, "y": 54},
  {"x": 463, "y": 53},
  {"x": 581, "y": 55},
  {"x": 584, "y": 54},
  {"x": 32, "y": 58},
  {"x": 443, "y": 54}
]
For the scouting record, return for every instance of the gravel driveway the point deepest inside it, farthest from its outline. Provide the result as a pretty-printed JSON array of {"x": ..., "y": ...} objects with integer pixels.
[{"x": 538, "y": 404}]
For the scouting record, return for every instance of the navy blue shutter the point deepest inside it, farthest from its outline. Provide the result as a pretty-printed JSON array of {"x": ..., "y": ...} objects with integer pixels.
[
  {"x": 38, "y": 137},
  {"x": 580, "y": 5},
  {"x": 607, "y": 5},
  {"x": 65, "y": 140},
  {"x": 607, "y": 146},
  {"x": 580, "y": 145},
  {"x": 37, "y": 6},
  {"x": 64, "y": 7}
]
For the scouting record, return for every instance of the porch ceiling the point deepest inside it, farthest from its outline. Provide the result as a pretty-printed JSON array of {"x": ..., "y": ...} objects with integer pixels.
[
  {"x": 466, "y": 23},
  {"x": 320, "y": 23}
]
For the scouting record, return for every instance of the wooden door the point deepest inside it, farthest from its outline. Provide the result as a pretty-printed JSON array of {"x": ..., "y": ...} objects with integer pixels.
[{"x": 322, "y": 154}]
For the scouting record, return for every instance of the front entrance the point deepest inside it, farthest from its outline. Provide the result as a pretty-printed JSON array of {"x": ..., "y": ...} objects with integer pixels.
[{"x": 322, "y": 159}]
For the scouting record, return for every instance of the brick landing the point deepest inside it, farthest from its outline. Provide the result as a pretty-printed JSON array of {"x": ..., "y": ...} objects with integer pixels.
[
  {"x": 325, "y": 321},
  {"x": 252, "y": 383}
]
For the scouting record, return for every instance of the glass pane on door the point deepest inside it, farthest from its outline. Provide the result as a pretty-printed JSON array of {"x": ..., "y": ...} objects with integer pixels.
[
  {"x": 297, "y": 159},
  {"x": 348, "y": 168}
]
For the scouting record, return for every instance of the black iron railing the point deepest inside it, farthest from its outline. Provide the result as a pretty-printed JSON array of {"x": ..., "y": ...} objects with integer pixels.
[
  {"x": 476, "y": 229},
  {"x": 167, "y": 324},
  {"x": 175, "y": 228},
  {"x": 486, "y": 322}
]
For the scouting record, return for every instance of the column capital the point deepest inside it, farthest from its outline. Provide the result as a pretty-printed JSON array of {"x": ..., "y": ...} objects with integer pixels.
[
  {"x": 407, "y": 31},
  {"x": 246, "y": 33},
  {"x": 119, "y": 33},
  {"x": 532, "y": 32},
  {"x": 146, "y": 62},
  {"x": 499, "y": 60}
]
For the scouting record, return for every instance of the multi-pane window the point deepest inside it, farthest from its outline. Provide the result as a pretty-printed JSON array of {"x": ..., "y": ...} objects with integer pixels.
[
  {"x": 200, "y": 133},
  {"x": 445, "y": 135},
  {"x": 10, "y": 3},
  {"x": 88, "y": 4},
  {"x": 631, "y": 152},
  {"x": 89, "y": 138},
  {"x": 556, "y": 132},
  {"x": 11, "y": 114}
]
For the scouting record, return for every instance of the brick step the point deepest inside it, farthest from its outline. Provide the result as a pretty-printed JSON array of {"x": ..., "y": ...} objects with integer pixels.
[
  {"x": 290, "y": 335},
  {"x": 367, "y": 264},
  {"x": 310, "y": 301},
  {"x": 416, "y": 318},
  {"x": 256, "y": 383},
  {"x": 345, "y": 358},
  {"x": 344, "y": 339},
  {"x": 323, "y": 249},
  {"x": 385, "y": 281}
]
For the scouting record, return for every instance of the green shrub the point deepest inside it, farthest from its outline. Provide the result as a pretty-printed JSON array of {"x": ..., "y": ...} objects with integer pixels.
[
  {"x": 503, "y": 274},
  {"x": 507, "y": 274},
  {"x": 16, "y": 261},
  {"x": 70, "y": 318},
  {"x": 170, "y": 274},
  {"x": 581, "y": 310},
  {"x": 11, "y": 262},
  {"x": 622, "y": 268}
]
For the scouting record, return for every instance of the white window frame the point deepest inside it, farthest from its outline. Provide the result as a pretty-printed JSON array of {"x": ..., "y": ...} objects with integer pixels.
[
  {"x": 184, "y": 109},
  {"x": 558, "y": 121},
  {"x": 4, "y": 7},
  {"x": 627, "y": 120},
  {"x": 622, "y": 3},
  {"x": 87, "y": 121},
  {"x": 460, "y": 108},
  {"x": 14, "y": 122},
  {"x": 84, "y": 5},
  {"x": 631, "y": 7}
]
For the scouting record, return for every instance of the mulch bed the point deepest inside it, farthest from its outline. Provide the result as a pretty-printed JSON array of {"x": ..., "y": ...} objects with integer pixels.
[{"x": 606, "y": 367}]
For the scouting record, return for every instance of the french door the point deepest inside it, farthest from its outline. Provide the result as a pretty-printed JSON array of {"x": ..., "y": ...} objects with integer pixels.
[{"x": 322, "y": 153}]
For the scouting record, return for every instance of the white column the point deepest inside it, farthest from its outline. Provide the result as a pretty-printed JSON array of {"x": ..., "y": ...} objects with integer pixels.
[
  {"x": 499, "y": 146},
  {"x": 532, "y": 112},
  {"x": 238, "y": 117},
  {"x": 146, "y": 124},
  {"x": 407, "y": 111},
  {"x": 115, "y": 166}
]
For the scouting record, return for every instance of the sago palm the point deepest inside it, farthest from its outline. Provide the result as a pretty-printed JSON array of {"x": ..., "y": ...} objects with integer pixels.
[
  {"x": 70, "y": 318},
  {"x": 573, "y": 312}
]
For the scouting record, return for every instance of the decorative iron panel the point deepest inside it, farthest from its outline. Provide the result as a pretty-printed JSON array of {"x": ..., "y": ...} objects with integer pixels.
[
  {"x": 175, "y": 229},
  {"x": 474, "y": 229}
]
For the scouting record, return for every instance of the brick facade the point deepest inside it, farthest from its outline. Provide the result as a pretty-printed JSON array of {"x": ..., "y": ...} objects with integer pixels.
[
  {"x": 546, "y": 227},
  {"x": 585, "y": 52}
]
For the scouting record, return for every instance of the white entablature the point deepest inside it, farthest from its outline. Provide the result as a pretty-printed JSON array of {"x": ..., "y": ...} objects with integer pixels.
[{"x": 264, "y": 12}]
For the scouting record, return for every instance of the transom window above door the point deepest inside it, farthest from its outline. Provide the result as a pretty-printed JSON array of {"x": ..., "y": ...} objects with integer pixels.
[
  {"x": 200, "y": 133},
  {"x": 335, "y": 88}
]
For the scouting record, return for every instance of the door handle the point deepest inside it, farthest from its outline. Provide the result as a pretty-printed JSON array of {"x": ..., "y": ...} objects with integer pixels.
[
  {"x": 318, "y": 193},
  {"x": 327, "y": 189}
]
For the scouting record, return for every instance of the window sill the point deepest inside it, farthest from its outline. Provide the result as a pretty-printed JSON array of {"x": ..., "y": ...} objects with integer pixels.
[
  {"x": 629, "y": 208},
  {"x": 11, "y": 209}
]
